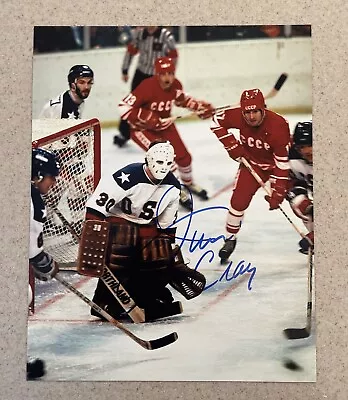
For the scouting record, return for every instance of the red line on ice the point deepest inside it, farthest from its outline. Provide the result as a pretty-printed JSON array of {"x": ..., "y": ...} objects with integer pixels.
[
  {"x": 58, "y": 297},
  {"x": 216, "y": 194},
  {"x": 223, "y": 294}
]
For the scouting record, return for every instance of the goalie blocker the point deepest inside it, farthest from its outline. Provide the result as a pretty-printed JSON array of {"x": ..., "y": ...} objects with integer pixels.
[{"x": 142, "y": 262}]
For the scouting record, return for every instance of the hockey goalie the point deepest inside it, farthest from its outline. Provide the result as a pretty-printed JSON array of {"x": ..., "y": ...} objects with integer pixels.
[{"x": 128, "y": 242}]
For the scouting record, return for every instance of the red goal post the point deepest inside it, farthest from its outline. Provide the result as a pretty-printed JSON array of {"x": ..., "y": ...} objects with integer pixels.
[{"x": 77, "y": 144}]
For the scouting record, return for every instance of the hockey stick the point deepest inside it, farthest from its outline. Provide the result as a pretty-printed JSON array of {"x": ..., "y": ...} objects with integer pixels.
[
  {"x": 268, "y": 191},
  {"x": 146, "y": 344},
  {"x": 111, "y": 282},
  {"x": 277, "y": 86},
  {"x": 301, "y": 333}
]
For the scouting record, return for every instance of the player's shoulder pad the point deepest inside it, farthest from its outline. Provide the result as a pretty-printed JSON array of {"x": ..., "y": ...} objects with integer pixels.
[
  {"x": 177, "y": 84},
  {"x": 171, "y": 180},
  {"x": 38, "y": 203},
  {"x": 130, "y": 175},
  {"x": 56, "y": 100},
  {"x": 276, "y": 118},
  {"x": 146, "y": 85}
]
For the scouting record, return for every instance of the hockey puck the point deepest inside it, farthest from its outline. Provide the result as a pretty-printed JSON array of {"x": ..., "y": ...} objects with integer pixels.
[{"x": 292, "y": 365}]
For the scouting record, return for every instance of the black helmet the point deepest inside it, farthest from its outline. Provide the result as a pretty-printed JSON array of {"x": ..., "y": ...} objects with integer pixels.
[
  {"x": 43, "y": 163},
  {"x": 78, "y": 71},
  {"x": 303, "y": 134}
]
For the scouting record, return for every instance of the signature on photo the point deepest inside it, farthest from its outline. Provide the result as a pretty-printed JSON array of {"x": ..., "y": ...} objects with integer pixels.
[{"x": 198, "y": 241}]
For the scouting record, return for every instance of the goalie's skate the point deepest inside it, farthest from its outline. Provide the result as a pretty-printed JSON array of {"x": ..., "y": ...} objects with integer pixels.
[
  {"x": 185, "y": 200},
  {"x": 227, "y": 249},
  {"x": 198, "y": 191},
  {"x": 163, "y": 310}
]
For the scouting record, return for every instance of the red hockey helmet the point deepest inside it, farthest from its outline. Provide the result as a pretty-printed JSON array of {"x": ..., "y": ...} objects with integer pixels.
[
  {"x": 164, "y": 64},
  {"x": 252, "y": 99}
]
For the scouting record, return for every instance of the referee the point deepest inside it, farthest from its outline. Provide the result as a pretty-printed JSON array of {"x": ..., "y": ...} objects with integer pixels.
[{"x": 151, "y": 42}]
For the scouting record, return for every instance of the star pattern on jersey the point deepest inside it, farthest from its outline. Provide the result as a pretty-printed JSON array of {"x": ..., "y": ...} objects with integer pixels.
[
  {"x": 124, "y": 177},
  {"x": 71, "y": 115}
]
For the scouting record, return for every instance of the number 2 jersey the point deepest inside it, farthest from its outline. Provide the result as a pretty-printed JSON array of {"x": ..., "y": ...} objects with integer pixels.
[{"x": 130, "y": 194}]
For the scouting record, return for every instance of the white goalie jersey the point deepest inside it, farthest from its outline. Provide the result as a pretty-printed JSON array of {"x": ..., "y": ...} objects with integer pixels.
[{"x": 130, "y": 194}]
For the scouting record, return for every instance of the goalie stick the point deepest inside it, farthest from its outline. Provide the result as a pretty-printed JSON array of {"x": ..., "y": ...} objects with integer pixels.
[
  {"x": 301, "y": 333},
  {"x": 111, "y": 282},
  {"x": 146, "y": 344},
  {"x": 277, "y": 86}
]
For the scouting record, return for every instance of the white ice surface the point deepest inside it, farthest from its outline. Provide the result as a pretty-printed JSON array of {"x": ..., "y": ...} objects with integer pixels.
[{"x": 227, "y": 333}]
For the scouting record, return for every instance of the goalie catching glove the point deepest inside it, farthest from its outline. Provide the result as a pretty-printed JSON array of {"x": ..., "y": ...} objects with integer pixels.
[
  {"x": 45, "y": 268},
  {"x": 188, "y": 282}
]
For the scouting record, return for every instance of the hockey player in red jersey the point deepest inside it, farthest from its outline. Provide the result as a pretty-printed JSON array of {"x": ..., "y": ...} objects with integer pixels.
[
  {"x": 148, "y": 108},
  {"x": 264, "y": 142}
]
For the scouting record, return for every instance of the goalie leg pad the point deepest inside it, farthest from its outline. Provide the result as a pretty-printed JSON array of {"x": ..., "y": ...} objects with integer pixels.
[
  {"x": 123, "y": 238},
  {"x": 187, "y": 281},
  {"x": 93, "y": 248},
  {"x": 156, "y": 253},
  {"x": 106, "y": 301}
]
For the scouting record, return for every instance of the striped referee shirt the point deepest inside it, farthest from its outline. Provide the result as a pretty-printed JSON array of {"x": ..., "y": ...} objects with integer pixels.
[{"x": 150, "y": 47}]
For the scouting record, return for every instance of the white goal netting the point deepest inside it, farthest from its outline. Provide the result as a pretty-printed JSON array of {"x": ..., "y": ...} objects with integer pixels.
[{"x": 77, "y": 146}]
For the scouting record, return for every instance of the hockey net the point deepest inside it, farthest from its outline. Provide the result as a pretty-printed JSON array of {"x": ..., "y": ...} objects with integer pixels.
[{"x": 76, "y": 143}]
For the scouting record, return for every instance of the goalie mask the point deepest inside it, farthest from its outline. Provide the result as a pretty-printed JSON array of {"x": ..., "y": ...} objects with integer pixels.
[
  {"x": 159, "y": 159},
  {"x": 43, "y": 163}
]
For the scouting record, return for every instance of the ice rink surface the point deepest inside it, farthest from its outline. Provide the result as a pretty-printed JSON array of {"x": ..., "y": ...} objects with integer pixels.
[{"x": 229, "y": 332}]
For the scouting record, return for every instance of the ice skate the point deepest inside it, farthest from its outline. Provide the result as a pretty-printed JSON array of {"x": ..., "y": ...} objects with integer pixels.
[
  {"x": 162, "y": 310},
  {"x": 198, "y": 191},
  {"x": 185, "y": 200},
  {"x": 119, "y": 141},
  {"x": 227, "y": 249},
  {"x": 304, "y": 246}
]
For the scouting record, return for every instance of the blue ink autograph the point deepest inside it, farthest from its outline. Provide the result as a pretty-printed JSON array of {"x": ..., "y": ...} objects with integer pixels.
[
  {"x": 200, "y": 242},
  {"x": 239, "y": 270}
]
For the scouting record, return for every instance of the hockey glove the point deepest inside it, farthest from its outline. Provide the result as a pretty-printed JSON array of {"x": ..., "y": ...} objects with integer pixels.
[
  {"x": 205, "y": 110},
  {"x": 145, "y": 119},
  {"x": 279, "y": 189},
  {"x": 45, "y": 268},
  {"x": 235, "y": 149},
  {"x": 306, "y": 242},
  {"x": 301, "y": 205}
]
